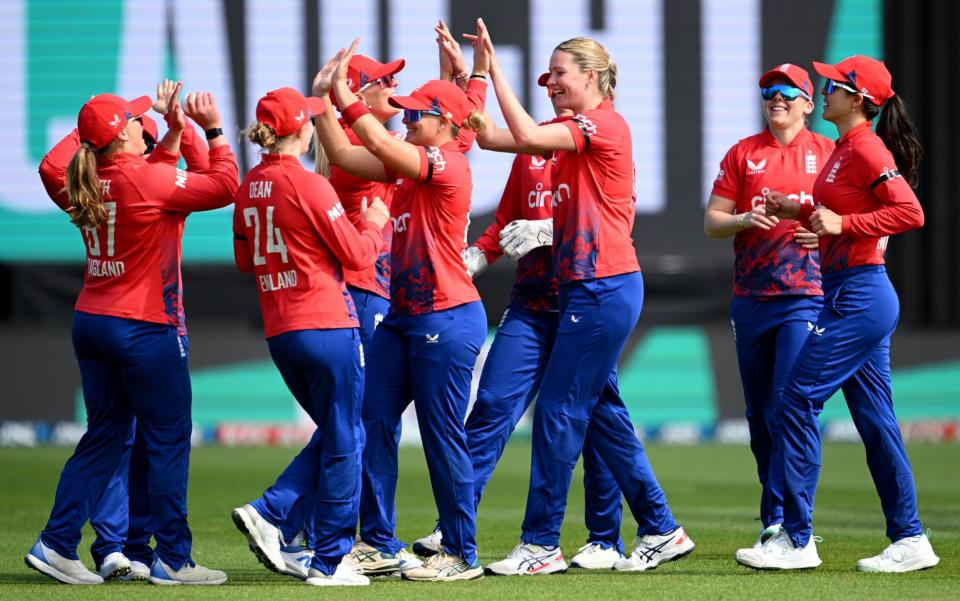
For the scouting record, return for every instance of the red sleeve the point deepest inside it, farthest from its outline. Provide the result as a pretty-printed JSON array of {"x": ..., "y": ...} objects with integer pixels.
[
  {"x": 177, "y": 190},
  {"x": 596, "y": 129},
  {"x": 477, "y": 97},
  {"x": 728, "y": 182},
  {"x": 53, "y": 169},
  {"x": 507, "y": 211},
  {"x": 194, "y": 149},
  {"x": 440, "y": 167},
  {"x": 354, "y": 249},
  {"x": 241, "y": 246},
  {"x": 899, "y": 210},
  {"x": 803, "y": 216}
]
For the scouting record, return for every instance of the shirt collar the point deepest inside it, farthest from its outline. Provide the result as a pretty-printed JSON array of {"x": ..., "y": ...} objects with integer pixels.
[
  {"x": 855, "y": 132},
  {"x": 771, "y": 140}
]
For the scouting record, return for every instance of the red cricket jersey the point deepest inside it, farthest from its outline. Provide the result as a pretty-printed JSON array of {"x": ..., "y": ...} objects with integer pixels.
[
  {"x": 593, "y": 198},
  {"x": 860, "y": 181},
  {"x": 527, "y": 195},
  {"x": 771, "y": 263},
  {"x": 291, "y": 231},
  {"x": 352, "y": 190},
  {"x": 133, "y": 257},
  {"x": 430, "y": 217}
]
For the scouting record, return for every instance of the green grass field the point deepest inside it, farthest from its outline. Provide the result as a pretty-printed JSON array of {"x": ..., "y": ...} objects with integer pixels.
[{"x": 711, "y": 489}]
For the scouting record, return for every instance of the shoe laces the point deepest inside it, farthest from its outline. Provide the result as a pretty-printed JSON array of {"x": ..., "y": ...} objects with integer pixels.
[{"x": 590, "y": 548}]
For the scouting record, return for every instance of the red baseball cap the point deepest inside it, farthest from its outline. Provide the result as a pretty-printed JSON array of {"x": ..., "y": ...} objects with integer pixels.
[
  {"x": 542, "y": 80},
  {"x": 443, "y": 97},
  {"x": 798, "y": 76},
  {"x": 868, "y": 75},
  {"x": 286, "y": 110},
  {"x": 104, "y": 116},
  {"x": 363, "y": 69},
  {"x": 150, "y": 129}
]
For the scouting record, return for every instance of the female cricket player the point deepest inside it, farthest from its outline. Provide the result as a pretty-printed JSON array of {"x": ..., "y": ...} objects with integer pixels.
[
  {"x": 133, "y": 362},
  {"x": 121, "y": 517},
  {"x": 291, "y": 232},
  {"x": 523, "y": 230},
  {"x": 776, "y": 287},
  {"x": 600, "y": 296},
  {"x": 864, "y": 194},
  {"x": 426, "y": 347}
]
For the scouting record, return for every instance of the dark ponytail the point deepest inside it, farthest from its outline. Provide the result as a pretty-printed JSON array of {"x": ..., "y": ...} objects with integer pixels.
[{"x": 899, "y": 135}]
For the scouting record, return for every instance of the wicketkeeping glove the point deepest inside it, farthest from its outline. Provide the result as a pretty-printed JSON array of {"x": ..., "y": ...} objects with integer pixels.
[
  {"x": 475, "y": 260},
  {"x": 523, "y": 235}
]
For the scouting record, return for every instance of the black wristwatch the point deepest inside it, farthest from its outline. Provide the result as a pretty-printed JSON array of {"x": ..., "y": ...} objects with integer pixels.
[{"x": 213, "y": 132}]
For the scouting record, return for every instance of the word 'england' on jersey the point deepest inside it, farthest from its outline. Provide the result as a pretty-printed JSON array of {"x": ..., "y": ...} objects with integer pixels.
[
  {"x": 104, "y": 269},
  {"x": 271, "y": 282}
]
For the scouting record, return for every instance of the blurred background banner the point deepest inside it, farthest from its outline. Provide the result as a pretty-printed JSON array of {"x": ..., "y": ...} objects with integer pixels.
[{"x": 687, "y": 85}]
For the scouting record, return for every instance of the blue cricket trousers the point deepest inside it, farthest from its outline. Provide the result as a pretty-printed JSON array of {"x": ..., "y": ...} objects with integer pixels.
[
  {"x": 428, "y": 358},
  {"x": 510, "y": 380},
  {"x": 111, "y": 516},
  {"x": 579, "y": 403},
  {"x": 848, "y": 349},
  {"x": 129, "y": 369},
  {"x": 768, "y": 333},
  {"x": 323, "y": 370}
]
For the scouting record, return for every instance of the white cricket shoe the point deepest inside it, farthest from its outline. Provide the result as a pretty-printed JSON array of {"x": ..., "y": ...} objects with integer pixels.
[
  {"x": 370, "y": 561},
  {"x": 430, "y": 544},
  {"x": 445, "y": 567},
  {"x": 296, "y": 561},
  {"x": 263, "y": 538},
  {"x": 161, "y": 573},
  {"x": 50, "y": 563},
  {"x": 747, "y": 553},
  {"x": 778, "y": 553},
  {"x": 408, "y": 561},
  {"x": 529, "y": 560},
  {"x": 654, "y": 549},
  {"x": 115, "y": 565},
  {"x": 594, "y": 556},
  {"x": 343, "y": 576},
  {"x": 905, "y": 555},
  {"x": 138, "y": 571}
]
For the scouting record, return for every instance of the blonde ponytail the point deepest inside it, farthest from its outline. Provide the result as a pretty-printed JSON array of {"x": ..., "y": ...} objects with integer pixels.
[
  {"x": 321, "y": 162},
  {"x": 83, "y": 188},
  {"x": 261, "y": 134},
  {"x": 475, "y": 121}
]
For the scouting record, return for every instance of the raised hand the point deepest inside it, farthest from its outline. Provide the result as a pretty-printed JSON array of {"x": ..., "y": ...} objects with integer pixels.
[
  {"x": 203, "y": 110},
  {"x": 484, "y": 55},
  {"x": 174, "y": 112},
  {"x": 340, "y": 75},
  {"x": 452, "y": 62},
  {"x": 165, "y": 91},
  {"x": 323, "y": 82}
]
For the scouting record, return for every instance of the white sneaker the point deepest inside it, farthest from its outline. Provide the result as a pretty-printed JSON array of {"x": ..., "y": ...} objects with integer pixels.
[
  {"x": 445, "y": 567},
  {"x": 263, "y": 538},
  {"x": 408, "y": 561},
  {"x": 370, "y": 561},
  {"x": 161, "y": 573},
  {"x": 594, "y": 556},
  {"x": 138, "y": 571},
  {"x": 430, "y": 544},
  {"x": 50, "y": 563},
  {"x": 746, "y": 554},
  {"x": 654, "y": 549},
  {"x": 905, "y": 555},
  {"x": 296, "y": 561},
  {"x": 343, "y": 576},
  {"x": 115, "y": 565},
  {"x": 778, "y": 553},
  {"x": 529, "y": 560}
]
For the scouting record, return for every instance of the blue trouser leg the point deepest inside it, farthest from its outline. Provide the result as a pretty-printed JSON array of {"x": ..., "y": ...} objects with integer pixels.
[
  {"x": 140, "y": 531},
  {"x": 383, "y": 405},
  {"x": 603, "y": 501},
  {"x": 129, "y": 367},
  {"x": 322, "y": 369},
  {"x": 848, "y": 348},
  {"x": 768, "y": 335},
  {"x": 111, "y": 519},
  {"x": 510, "y": 380},
  {"x": 443, "y": 349},
  {"x": 596, "y": 319}
]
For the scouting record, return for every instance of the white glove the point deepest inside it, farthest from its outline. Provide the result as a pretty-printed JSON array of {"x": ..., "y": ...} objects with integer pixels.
[
  {"x": 522, "y": 236},
  {"x": 475, "y": 260}
]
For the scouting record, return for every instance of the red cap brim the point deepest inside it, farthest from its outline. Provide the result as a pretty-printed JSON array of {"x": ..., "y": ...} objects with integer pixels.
[
  {"x": 391, "y": 68},
  {"x": 829, "y": 71},
  {"x": 542, "y": 80},
  {"x": 140, "y": 105},
  {"x": 408, "y": 102},
  {"x": 316, "y": 106}
]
